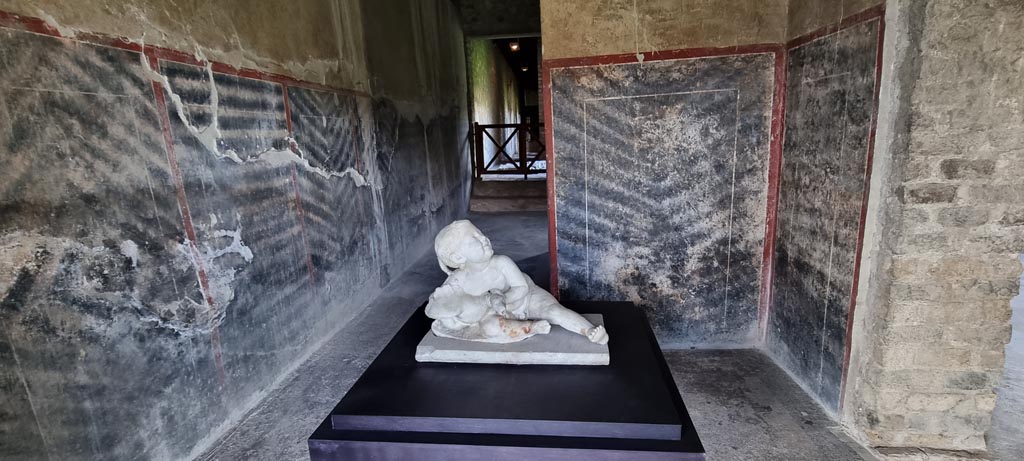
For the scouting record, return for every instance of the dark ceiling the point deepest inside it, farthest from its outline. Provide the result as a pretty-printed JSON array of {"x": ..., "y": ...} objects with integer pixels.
[{"x": 526, "y": 57}]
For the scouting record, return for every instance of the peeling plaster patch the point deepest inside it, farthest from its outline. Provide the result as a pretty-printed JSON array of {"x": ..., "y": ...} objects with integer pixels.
[
  {"x": 131, "y": 251},
  {"x": 210, "y": 135},
  {"x": 279, "y": 157},
  {"x": 92, "y": 280},
  {"x": 103, "y": 283},
  {"x": 207, "y": 137},
  {"x": 66, "y": 32},
  {"x": 220, "y": 271},
  {"x": 20, "y": 257}
]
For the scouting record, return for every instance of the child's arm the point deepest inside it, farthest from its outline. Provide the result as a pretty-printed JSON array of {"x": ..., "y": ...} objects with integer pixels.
[{"x": 517, "y": 295}]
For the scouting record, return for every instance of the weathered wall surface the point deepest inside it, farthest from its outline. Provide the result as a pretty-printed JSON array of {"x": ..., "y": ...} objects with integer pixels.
[
  {"x": 494, "y": 94},
  {"x": 829, "y": 117},
  {"x": 499, "y": 18},
  {"x": 806, "y": 16},
  {"x": 661, "y": 189},
  {"x": 944, "y": 246},
  {"x": 327, "y": 47},
  {"x": 573, "y": 28},
  {"x": 421, "y": 131},
  {"x": 162, "y": 264}
]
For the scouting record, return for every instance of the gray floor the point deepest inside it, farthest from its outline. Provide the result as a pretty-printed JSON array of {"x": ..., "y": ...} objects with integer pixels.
[
  {"x": 1006, "y": 439},
  {"x": 744, "y": 407}
]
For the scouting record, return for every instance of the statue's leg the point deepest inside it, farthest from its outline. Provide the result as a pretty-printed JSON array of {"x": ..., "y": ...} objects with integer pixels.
[
  {"x": 500, "y": 329},
  {"x": 544, "y": 306}
]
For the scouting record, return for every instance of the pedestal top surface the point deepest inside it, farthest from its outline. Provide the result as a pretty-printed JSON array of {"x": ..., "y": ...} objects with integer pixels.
[{"x": 635, "y": 389}]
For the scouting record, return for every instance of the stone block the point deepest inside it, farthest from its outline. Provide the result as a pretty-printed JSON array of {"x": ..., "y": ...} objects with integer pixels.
[
  {"x": 995, "y": 312},
  {"x": 934, "y": 402},
  {"x": 916, "y": 218},
  {"x": 930, "y": 422},
  {"x": 946, "y": 267},
  {"x": 898, "y": 357},
  {"x": 1006, "y": 241},
  {"x": 967, "y": 169},
  {"x": 985, "y": 337},
  {"x": 902, "y": 335},
  {"x": 969, "y": 381},
  {"x": 930, "y": 143},
  {"x": 918, "y": 169},
  {"x": 941, "y": 357},
  {"x": 913, "y": 313},
  {"x": 963, "y": 216},
  {"x": 993, "y": 359},
  {"x": 941, "y": 291},
  {"x": 985, "y": 402},
  {"x": 909, "y": 243},
  {"x": 996, "y": 193},
  {"x": 892, "y": 401},
  {"x": 1012, "y": 217},
  {"x": 928, "y": 193},
  {"x": 1009, "y": 165}
]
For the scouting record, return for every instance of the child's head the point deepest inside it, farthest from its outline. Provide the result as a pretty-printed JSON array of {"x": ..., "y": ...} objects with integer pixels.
[
  {"x": 459, "y": 243},
  {"x": 445, "y": 302}
]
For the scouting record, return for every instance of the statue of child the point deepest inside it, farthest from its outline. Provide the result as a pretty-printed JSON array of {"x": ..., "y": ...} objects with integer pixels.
[{"x": 481, "y": 283}]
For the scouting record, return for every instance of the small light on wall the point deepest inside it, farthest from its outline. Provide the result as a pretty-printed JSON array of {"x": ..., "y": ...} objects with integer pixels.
[
  {"x": 514, "y": 46},
  {"x": 524, "y": 68}
]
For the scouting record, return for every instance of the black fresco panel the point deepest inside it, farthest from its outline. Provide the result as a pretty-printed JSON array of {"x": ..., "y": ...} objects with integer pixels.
[
  {"x": 109, "y": 337},
  {"x": 340, "y": 215},
  {"x": 830, "y": 105},
  {"x": 249, "y": 235},
  {"x": 660, "y": 187},
  {"x": 91, "y": 228}
]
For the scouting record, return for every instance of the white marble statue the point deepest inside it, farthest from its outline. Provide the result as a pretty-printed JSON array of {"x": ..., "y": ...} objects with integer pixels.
[{"x": 487, "y": 298}]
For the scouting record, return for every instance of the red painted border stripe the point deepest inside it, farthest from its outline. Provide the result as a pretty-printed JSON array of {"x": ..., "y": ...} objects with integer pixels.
[
  {"x": 847, "y": 22},
  {"x": 863, "y": 211},
  {"x": 302, "y": 227},
  {"x": 685, "y": 53},
  {"x": 186, "y": 214},
  {"x": 778, "y": 134},
  {"x": 27, "y": 23},
  {"x": 295, "y": 187},
  {"x": 549, "y": 138}
]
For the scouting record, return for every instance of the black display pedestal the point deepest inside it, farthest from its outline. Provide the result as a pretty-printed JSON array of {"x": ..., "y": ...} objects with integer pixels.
[{"x": 403, "y": 409}]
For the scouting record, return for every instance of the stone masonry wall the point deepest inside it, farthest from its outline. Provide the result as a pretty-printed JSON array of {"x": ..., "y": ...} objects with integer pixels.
[{"x": 931, "y": 352}]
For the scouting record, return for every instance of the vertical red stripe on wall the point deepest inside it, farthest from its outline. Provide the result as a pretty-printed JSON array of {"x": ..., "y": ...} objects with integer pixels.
[
  {"x": 183, "y": 208},
  {"x": 880, "y": 12},
  {"x": 549, "y": 135},
  {"x": 778, "y": 133},
  {"x": 295, "y": 188}
]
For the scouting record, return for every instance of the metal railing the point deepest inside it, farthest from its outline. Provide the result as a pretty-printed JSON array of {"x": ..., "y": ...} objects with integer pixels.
[{"x": 521, "y": 150}]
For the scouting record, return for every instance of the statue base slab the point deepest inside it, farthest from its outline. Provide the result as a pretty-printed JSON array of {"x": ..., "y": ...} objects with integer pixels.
[
  {"x": 559, "y": 347},
  {"x": 404, "y": 409}
]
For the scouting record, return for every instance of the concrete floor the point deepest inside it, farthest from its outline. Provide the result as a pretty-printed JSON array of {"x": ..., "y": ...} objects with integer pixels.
[
  {"x": 1006, "y": 438},
  {"x": 744, "y": 407}
]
